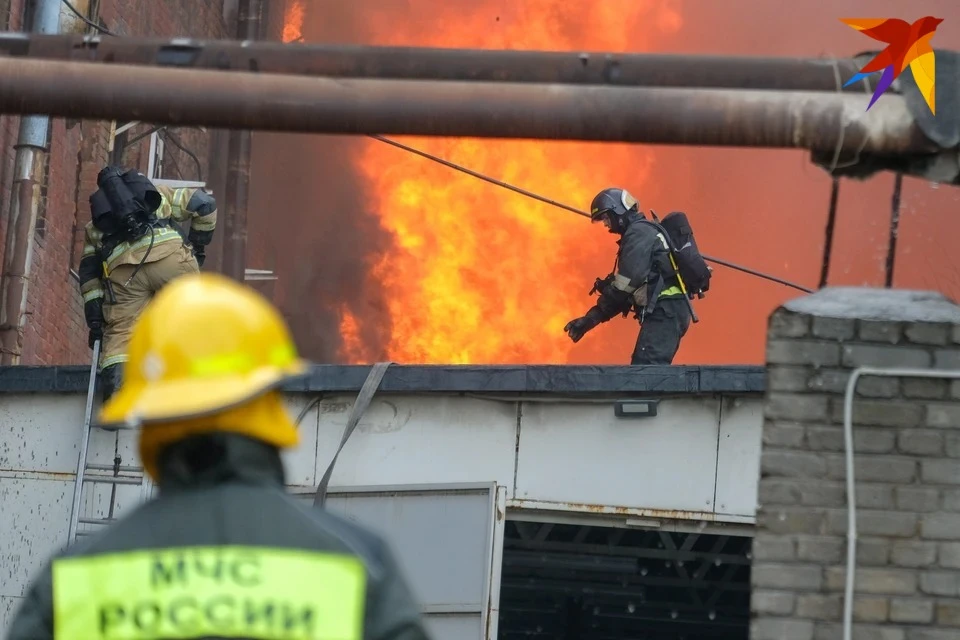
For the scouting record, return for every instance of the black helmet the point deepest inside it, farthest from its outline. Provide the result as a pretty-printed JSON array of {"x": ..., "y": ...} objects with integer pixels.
[{"x": 613, "y": 204}]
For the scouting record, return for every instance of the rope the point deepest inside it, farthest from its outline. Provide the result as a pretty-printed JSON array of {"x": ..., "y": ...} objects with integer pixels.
[
  {"x": 369, "y": 388},
  {"x": 560, "y": 205}
]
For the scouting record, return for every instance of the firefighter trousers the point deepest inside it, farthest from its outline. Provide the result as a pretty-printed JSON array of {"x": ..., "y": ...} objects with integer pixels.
[
  {"x": 661, "y": 332},
  {"x": 132, "y": 297}
]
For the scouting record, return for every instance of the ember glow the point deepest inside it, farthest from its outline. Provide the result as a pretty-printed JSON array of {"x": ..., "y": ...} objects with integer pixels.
[{"x": 478, "y": 274}]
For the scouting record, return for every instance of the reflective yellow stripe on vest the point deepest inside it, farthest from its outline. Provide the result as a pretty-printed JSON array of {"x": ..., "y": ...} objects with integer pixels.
[
  {"x": 249, "y": 592},
  {"x": 672, "y": 291},
  {"x": 160, "y": 236}
]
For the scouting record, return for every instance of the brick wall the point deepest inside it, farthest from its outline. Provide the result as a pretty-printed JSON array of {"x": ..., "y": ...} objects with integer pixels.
[
  {"x": 907, "y": 470},
  {"x": 11, "y": 16},
  {"x": 55, "y": 331}
]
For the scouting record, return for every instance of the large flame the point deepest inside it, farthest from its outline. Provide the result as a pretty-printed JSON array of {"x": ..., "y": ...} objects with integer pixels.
[{"x": 479, "y": 274}]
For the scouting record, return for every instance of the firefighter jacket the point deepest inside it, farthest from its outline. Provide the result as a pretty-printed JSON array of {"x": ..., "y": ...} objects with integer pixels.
[
  {"x": 222, "y": 552},
  {"x": 103, "y": 254},
  {"x": 643, "y": 273}
]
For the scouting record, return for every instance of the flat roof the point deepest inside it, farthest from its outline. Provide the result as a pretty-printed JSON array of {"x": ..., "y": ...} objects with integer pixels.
[{"x": 541, "y": 379}]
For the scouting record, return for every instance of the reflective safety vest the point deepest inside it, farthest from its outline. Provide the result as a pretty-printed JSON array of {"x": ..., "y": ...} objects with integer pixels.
[{"x": 192, "y": 592}]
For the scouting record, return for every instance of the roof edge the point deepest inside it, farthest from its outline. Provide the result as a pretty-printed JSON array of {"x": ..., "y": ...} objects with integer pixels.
[{"x": 539, "y": 379}]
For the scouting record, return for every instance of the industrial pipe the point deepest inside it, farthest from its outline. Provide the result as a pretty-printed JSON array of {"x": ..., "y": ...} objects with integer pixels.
[
  {"x": 28, "y": 163},
  {"x": 239, "y": 146},
  {"x": 712, "y": 117},
  {"x": 410, "y": 63}
]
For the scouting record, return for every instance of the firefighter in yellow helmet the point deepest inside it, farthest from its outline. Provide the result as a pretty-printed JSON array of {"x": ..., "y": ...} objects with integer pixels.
[{"x": 223, "y": 551}]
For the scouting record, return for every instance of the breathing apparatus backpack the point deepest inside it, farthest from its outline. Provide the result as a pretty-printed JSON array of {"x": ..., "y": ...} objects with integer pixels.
[
  {"x": 683, "y": 246},
  {"x": 125, "y": 205}
]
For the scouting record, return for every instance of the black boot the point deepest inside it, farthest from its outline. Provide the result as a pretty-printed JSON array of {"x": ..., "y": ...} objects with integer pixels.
[{"x": 110, "y": 379}]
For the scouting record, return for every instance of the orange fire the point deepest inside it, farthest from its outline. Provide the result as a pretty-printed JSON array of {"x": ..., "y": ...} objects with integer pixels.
[
  {"x": 350, "y": 335},
  {"x": 293, "y": 21},
  {"x": 478, "y": 274}
]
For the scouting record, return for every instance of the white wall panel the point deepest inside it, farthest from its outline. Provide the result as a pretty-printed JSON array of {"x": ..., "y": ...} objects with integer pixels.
[
  {"x": 691, "y": 457},
  {"x": 583, "y": 453},
  {"x": 34, "y": 515},
  {"x": 738, "y": 457},
  {"x": 40, "y": 432},
  {"x": 8, "y": 607},
  {"x": 419, "y": 440}
]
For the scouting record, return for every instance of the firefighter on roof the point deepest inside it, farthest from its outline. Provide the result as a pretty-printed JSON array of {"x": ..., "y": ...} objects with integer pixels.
[
  {"x": 133, "y": 248},
  {"x": 643, "y": 280},
  {"x": 223, "y": 551}
]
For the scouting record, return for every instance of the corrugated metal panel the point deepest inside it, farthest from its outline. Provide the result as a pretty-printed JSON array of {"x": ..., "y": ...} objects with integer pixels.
[{"x": 584, "y": 454}]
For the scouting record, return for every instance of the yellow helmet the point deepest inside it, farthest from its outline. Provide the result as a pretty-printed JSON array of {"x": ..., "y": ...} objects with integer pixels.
[{"x": 203, "y": 346}]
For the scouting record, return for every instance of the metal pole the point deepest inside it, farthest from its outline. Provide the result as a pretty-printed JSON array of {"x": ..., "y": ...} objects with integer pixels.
[
  {"x": 416, "y": 63},
  {"x": 238, "y": 165},
  {"x": 831, "y": 223},
  {"x": 712, "y": 117},
  {"x": 894, "y": 231},
  {"x": 84, "y": 444},
  {"x": 24, "y": 205}
]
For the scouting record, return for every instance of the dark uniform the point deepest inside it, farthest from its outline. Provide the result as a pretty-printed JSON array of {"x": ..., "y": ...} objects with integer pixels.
[
  {"x": 643, "y": 281},
  {"x": 289, "y": 569},
  {"x": 223, "y": 551}
]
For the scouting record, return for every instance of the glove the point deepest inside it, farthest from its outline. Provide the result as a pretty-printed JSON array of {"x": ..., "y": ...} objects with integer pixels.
[
  {"x": 578, "y": 327},
  {"x": 96, "y": 333},
  {"x": 93, "y": 314},
  {"x": 200, "y": 255},
  {"x": 600, "y": 285}
]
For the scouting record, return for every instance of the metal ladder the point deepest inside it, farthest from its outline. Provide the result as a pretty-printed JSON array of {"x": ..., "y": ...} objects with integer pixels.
[{"x": 115, "y": 474}]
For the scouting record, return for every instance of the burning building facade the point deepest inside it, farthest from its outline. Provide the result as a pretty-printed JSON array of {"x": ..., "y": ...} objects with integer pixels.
[
  {"x": 395, "y": 257},
  {"x": 380, "y": 254}
]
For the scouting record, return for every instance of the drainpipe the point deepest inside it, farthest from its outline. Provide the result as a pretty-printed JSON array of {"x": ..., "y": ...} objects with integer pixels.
[
  {"x": 24, "y": 204},
  {"x": 238, "y": 164}
]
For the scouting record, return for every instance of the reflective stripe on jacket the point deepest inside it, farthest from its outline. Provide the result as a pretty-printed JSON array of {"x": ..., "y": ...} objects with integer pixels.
[
  {"x": 173, "y": 207},
  {"x": 223, "y": 550}
]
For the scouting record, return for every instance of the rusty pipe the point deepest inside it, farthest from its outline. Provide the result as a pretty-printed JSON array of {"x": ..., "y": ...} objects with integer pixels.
[
  {"x": 239, "y": 144},
  {"x": 29, "y": 160},
  {"x": 708, "y": 117},
  {"x": 423, "y": 63},
  {"x": 18, "y": 255}
]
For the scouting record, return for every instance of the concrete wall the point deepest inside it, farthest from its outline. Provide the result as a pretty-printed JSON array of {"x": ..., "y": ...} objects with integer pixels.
[
  {"x": 696, "y": 461},
  {"x": 907, "y": 470}
]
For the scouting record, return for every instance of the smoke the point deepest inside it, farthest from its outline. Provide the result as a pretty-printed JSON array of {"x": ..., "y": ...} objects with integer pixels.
[{"x": 310, "y": 219}]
